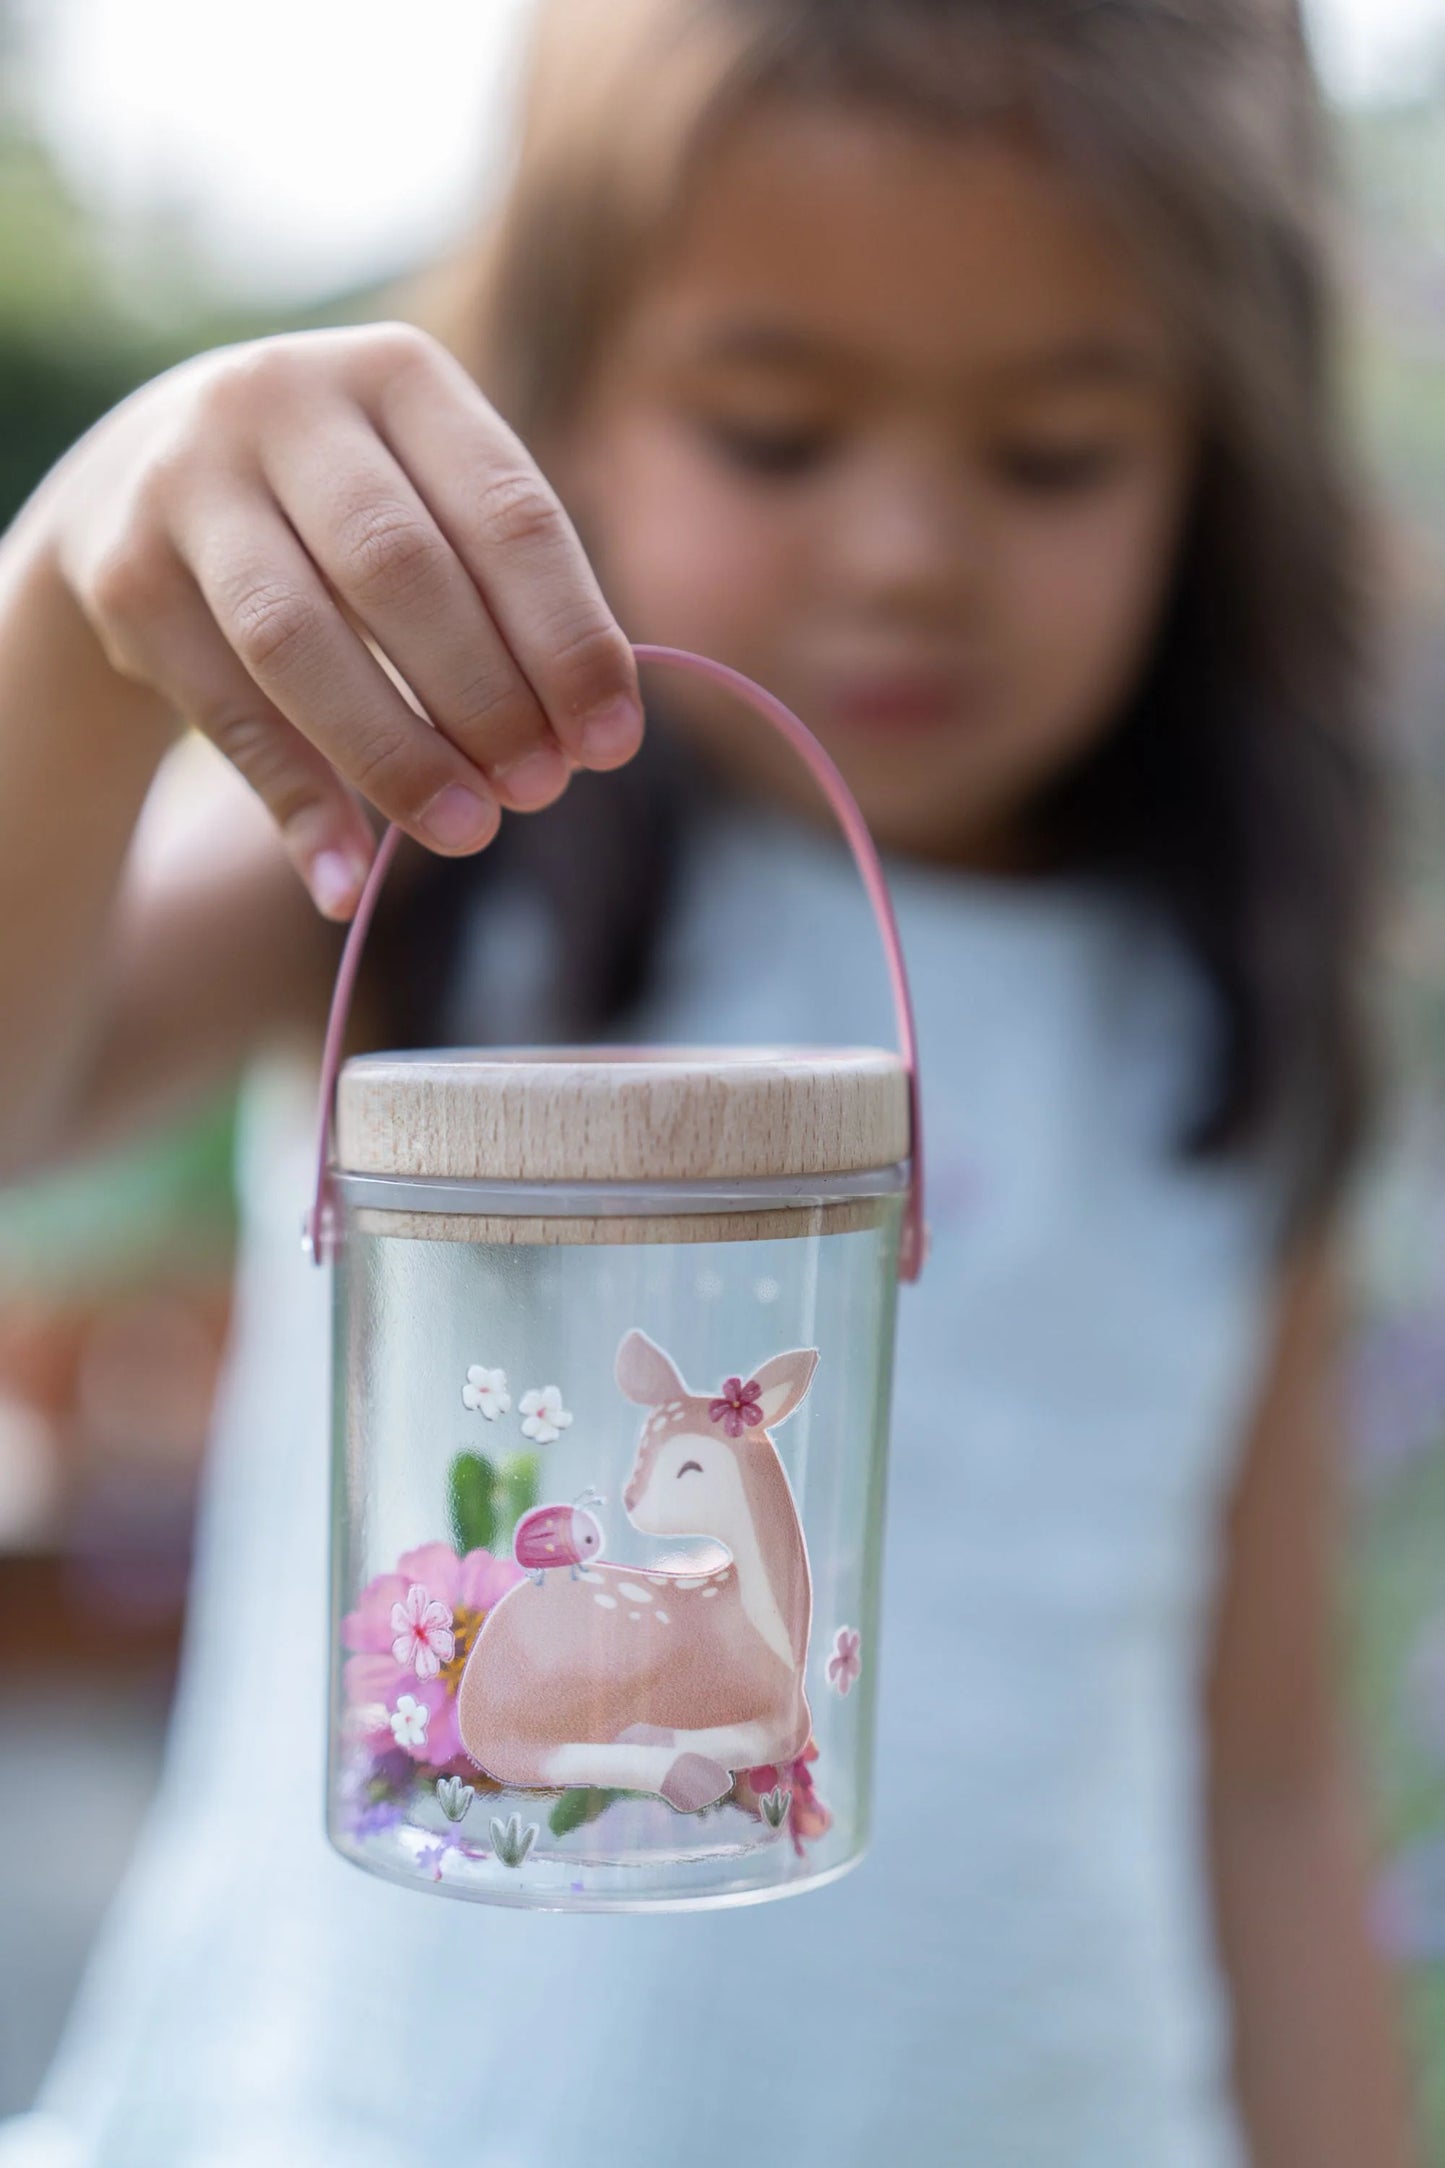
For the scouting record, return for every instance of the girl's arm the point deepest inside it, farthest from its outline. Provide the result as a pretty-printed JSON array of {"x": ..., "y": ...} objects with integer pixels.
[
  {"x": 329, "y": 554},
  {"x": 1317, "y": 2049}
]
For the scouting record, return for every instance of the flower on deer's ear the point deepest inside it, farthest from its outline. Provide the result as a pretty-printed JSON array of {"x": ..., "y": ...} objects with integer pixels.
[
  {"x": 738, "y": 1407},
  {"x": 409, "y": 1721},
  {"x": 486, "y": 1392},
  {"x": 543, "y": 1415},
  {"x": 845, "y": 1663},
  {"x": 423, "y": 1629}
]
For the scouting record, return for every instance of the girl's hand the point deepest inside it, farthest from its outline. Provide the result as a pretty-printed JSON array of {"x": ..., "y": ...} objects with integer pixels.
[{"x": 232, "y": 531}]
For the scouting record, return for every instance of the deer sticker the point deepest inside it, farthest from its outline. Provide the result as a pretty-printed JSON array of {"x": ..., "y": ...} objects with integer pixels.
[{"x": 653, "y": 1679}]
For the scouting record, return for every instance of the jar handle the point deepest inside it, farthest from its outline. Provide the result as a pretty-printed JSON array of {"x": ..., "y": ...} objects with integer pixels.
[{"x": 320, "y": 1230}]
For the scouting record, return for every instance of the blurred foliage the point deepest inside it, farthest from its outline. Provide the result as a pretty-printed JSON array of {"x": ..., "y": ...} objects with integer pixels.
[
  {"x": 1395, "y": 170},
  {"x": 77, "y": 334},
  {"x": 68, "y": 351},
  {"x": 79, "y": 328},
  {"x": 159, "y": 1204},
  {"x": 69, "y": 348},
  {"x": 486, "y": 1501}
]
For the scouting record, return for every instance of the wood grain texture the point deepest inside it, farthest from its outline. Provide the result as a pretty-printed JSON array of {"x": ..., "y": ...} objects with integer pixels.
[{"x": 647, "y": 1115}]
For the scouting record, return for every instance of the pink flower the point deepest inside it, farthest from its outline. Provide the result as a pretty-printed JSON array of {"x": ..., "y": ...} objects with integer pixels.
[
  {"x": 392, "y": 1638},
  {"x": 474, "y": 1583},
  {"x": 845, "y": 1663},
  {"x": 423, "y": 1628},
  {"x": 808, "y": 1817},
  {"x": 739, "y": 1406}
]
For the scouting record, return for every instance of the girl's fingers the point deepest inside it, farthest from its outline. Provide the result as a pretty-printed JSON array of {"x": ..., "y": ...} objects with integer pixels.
[
  {"x": 373, "y": 538},
  {"x": 326, "y": 834},
  {"x": 521, "y": 552},
  {"x": 275, "y": 613}
]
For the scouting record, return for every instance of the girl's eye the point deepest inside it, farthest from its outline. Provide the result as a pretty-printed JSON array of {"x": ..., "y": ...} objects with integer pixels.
[
  {"x": 690, "y": 1464},
  {"x": 777, "y": 453},
  {"x": 1059, "y": 469}
]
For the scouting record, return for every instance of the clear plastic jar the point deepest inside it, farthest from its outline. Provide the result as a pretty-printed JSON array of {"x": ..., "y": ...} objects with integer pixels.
[{"x": 609, "y": 1463}]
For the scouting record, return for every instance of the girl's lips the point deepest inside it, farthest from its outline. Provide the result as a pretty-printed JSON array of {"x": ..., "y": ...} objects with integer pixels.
[{"x": 904, "y": 705}]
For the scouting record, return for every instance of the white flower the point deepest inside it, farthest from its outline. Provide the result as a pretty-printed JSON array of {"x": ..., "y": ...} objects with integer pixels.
[
  {"x": 409, "y": 1721},
  {"x": 486, "y": 1392},
  {"x": 544, "y": 1417}
]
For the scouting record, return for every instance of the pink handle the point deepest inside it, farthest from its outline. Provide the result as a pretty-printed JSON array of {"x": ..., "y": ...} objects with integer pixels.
[{"x": 913, "y": 1244}]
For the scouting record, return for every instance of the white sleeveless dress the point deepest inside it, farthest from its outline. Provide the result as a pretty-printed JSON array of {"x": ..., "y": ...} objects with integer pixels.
[{"x": 1020, "y": 1974}]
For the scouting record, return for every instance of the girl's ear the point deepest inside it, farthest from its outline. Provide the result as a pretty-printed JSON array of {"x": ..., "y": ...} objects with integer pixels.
[
  {"x": 645, "y": 1374},
  {"x": 783, "y": 1381}
]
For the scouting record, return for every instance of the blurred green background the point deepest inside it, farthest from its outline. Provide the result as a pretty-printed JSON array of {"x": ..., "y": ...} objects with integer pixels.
[{"x": 127, "y": 1264}]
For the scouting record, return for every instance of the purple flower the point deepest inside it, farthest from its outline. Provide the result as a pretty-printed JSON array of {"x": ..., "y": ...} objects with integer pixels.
[
  {"x": 738, "y": 1407},
  {"x": 432, "y": 1857},
  {"x": 376, "y": 1816}
]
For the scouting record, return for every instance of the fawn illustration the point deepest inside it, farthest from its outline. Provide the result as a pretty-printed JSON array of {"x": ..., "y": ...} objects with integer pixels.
[{"x": 651, "y": 1679}]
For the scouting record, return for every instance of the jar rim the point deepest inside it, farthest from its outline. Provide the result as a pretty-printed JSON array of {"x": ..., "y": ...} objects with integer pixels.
[{"x": 494, "y": 1199}]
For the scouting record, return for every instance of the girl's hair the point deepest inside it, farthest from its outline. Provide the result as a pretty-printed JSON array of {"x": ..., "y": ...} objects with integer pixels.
[{"x": 1237, "y": 789}]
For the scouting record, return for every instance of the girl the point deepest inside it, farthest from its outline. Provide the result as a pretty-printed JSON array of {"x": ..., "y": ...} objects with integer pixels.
[{"x": 960, "y": 372}]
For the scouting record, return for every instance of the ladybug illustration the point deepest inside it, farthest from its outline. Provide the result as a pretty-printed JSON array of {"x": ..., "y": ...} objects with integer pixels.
[{"x": 558, "y": 1536}]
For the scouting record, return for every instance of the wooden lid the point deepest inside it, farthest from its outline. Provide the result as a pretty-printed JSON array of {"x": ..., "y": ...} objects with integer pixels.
[{"x": 650, "y": 1114}]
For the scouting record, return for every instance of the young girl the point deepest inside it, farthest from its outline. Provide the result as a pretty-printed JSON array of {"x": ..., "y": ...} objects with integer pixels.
[{"x": 959, "y": 372}]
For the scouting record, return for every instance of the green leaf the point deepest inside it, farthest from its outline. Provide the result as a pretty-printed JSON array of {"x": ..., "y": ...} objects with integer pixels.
[
  {"x": 519, "y": 1479},
  {"x": 580, "y": 1805},
  {"x": 472, "y": 1499}
]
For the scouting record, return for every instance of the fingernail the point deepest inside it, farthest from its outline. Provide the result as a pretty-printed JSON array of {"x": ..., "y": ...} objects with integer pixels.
[
  {"x": 537, "y": 779},
  {"x": 335, "y": 881},
  {"x": 458, "y": 819},
  {"x": 612, "y": 732}
]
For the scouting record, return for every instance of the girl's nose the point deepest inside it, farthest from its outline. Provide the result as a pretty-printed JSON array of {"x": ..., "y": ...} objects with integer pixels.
[{"x": 907, "y": 533}]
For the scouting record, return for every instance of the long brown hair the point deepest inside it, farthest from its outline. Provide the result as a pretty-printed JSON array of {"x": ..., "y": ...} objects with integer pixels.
[{"x": 1237, "y": 789}]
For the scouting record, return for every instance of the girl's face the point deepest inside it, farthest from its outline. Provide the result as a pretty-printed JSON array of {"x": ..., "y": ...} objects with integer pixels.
[{"x": 891, "y": 425}]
